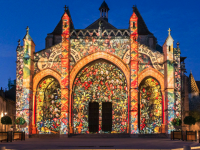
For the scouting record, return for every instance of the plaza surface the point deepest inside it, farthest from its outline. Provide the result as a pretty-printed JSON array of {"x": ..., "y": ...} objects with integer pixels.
[{"x": 98, "y": 143}]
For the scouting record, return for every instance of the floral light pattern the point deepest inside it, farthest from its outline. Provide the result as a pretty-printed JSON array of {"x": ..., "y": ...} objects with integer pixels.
[
  {"x": 48, "y": 106},
  {"x": 100, "y": 82},
  {"x": 150, "y": 106}
]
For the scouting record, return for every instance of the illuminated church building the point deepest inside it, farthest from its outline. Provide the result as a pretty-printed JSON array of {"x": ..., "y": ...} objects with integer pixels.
[{"x": 98, "y": 80}]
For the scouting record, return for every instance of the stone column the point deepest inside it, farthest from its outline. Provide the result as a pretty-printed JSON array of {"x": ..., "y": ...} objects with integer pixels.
[
  {"x": 65, "y": 75},
  {"x": 133, "y": 109},
  {"x": 169, "y": 81},
  {"x": 25, "y": 103}
]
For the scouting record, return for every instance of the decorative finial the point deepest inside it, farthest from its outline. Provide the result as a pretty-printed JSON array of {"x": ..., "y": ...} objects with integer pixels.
[
  {"x": 177, "y": 44},
  {"x": 169, "y": 31},
  {"x": 190, "y": 71},
  {"x": 27, "y": 30},
  {"x": 66, "y": 7},
  {"x": 19, "y": 42}
]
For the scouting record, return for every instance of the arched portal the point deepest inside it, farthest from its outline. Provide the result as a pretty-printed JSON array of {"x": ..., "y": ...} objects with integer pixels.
[
  {"x": 103, "y": 86},
  {"x": 150, "y": 116},
  {"x": 48, "y": 106}
]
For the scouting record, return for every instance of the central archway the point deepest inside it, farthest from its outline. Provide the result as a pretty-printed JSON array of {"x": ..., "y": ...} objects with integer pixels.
[{"x": 104, "y": 83}]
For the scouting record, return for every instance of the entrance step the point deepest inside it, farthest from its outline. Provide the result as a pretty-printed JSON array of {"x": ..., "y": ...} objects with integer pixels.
[
  {"x": 45, "y": 136},
  {"x": 160, "y": 135},
  {"x": 99, "y": 135}
]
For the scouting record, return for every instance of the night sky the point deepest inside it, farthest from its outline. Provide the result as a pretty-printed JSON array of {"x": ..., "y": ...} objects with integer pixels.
[{"x": 42, "y": 16}]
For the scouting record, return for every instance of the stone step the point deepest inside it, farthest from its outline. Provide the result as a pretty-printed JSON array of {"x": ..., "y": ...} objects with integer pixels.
[{"x": 99, "y": 136}]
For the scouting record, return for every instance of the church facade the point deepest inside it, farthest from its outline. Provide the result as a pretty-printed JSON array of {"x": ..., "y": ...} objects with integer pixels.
[{"x": 98, "y": 80}]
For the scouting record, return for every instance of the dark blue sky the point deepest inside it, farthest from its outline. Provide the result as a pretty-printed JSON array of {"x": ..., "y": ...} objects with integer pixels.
[{"x": 42, "y": 16}]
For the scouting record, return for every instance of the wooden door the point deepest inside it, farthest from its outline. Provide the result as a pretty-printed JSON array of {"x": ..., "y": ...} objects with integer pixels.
[
  {"x": 107, "y": 116},
  {"x": 93, "y": 117}
]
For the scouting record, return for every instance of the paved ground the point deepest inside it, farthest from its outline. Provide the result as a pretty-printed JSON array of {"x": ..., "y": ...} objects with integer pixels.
[{"x": 98, "y": 143}]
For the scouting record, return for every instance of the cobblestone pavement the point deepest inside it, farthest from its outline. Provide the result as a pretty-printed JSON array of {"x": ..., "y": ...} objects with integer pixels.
[{"x": 98, "y": 143}]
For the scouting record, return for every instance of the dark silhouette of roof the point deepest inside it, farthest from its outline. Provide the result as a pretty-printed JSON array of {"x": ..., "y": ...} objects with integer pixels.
[
  {"x": 198, "y": 84},
  {"x": 11, "y": 94},
  {"x": 104, "y": 5},
  {"x": 106, "y": 25},
  {"x": 142, "y": 28},
  {"x": 58, "y": 28}
]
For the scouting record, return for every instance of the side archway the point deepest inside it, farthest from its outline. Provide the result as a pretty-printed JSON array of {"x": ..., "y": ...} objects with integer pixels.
[
  {"x": 151, "y": 87},
  {"x": 36, "y": 80}
]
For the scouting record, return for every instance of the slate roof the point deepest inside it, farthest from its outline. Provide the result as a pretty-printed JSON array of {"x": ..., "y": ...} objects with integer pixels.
[
  {"x": 58, "y": 28},
  {"x": 106, "y": 25},
  {"x": 142, "y": 28},
  {"x": 193, "y": 88}
]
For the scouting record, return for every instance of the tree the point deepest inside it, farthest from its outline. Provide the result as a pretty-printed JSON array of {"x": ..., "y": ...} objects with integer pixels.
[
  {"x": 20, "y": 121},
  {"x": 6, "y": 120},
  {"x": 189, "y": 120}
]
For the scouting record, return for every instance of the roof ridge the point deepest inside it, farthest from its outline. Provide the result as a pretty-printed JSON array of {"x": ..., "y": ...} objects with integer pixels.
[{"x": 97, "y": 22}]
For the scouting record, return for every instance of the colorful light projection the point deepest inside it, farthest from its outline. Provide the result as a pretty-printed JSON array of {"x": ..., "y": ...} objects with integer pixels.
[
  {"x": 19, "y": 77},
  {"x": 134, "y": 74},
  {"x": 48, "y": 96},
  {"x": 144, "y": 62},
  {"x": 49, "y": 58},
  {"x": 150, "y": 106},
  {"x": 100, "y": 82},
  {"x": 65, "y": 68},
  {"x": 79, "y": 48},
  {"x": 177, "y": 72}
]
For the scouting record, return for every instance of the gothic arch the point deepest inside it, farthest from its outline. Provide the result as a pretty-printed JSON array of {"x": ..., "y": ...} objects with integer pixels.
[
  {"x": 36, "y": 80},
  {"x": 112, "y": 58},
  {"x": 40, "y": 75},
  {"x": 153, "y": 73}
]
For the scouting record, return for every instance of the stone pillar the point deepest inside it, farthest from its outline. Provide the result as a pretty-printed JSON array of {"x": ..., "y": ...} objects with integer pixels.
[
  {"x": 26, "y": 100},
  {"x": 19, "y": 79},
  {"x": 169, "y": 81},
  {"x": 65, "y": 75},
  {"x": 177, "y": 82},
  {"x": 133, "y": 109}
]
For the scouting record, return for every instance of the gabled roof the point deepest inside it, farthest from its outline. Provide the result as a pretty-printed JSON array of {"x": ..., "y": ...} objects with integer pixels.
[
  {"x": 193, "y": 88},
  {"x": 104, "y": 5},
  {"x": 106, "y": 25},
  {"x": 58, "y": 28},
  {"x": 142, "y": 28}
]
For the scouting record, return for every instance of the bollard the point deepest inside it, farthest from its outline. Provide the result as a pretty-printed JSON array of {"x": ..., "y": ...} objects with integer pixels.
[
  {"x": 186, "y": 147},
  {"x": 2, "y": 148}
]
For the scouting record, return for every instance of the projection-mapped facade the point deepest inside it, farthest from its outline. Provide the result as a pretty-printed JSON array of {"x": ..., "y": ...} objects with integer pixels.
[{"x": 98, "y": 80}]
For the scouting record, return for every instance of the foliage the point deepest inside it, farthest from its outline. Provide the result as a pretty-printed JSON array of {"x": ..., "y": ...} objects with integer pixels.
[
  {"x": 189, "y": 120},
  {"x": 176, "y": 122},
  {"x": 6, "y": 120},
  {"x": 196, "y": 115},
  {"x": 20, "y": 121}
]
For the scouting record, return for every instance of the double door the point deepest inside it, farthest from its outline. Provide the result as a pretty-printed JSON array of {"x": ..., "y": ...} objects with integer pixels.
[{"x": 94, "y": 116}]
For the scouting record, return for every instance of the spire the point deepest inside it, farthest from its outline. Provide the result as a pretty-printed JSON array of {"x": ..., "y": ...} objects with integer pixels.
[
  {"x": 142, "y": 28},
  {"x": 104, "y": 10},
  {"x": 193, "y": 88},
  {"x": 27, "y": 36}
]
